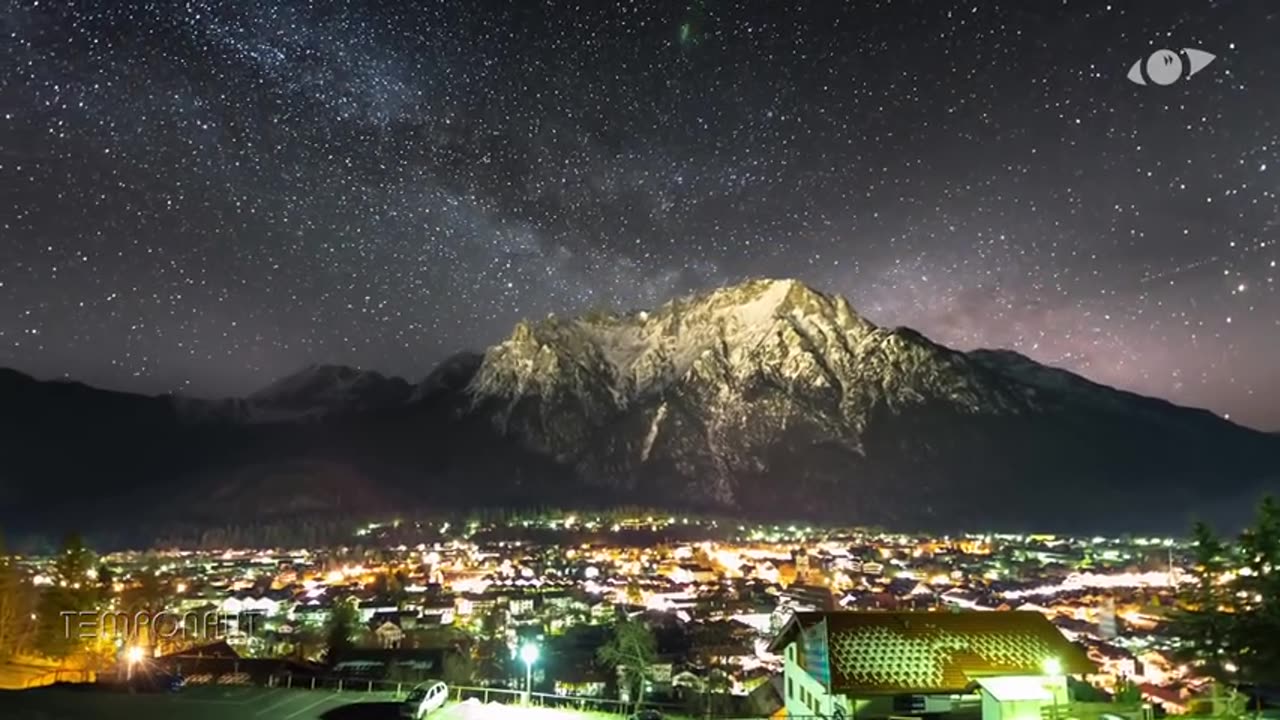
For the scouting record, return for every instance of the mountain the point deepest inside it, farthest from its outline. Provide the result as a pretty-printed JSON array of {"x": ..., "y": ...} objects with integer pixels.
[
  {"x": 131, "y": 468},
  {"x": 321, "y": 389},
  {"x": 772, "y": 397},
  {"x": 767, "y": 399},
  {"x": 314, "y": 393}
]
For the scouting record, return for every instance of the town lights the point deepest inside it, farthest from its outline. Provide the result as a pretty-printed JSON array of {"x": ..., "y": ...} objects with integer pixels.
[{"x": 529, "y": 654}]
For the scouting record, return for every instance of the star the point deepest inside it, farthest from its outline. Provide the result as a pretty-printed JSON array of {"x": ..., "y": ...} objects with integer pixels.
[{"x": 202, "y": 197}]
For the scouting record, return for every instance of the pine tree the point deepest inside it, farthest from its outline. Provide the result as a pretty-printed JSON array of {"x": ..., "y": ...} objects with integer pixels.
[
  {"x": 342, "y": 626},
  {"x": 716, "y": 693},
  {"x": 63, "y": 605},
  {"x": 1256, "y": 640},
  {"x": 1201, "y": 620},
  {"x": 459, "y": 668},
  {"x": 490, "y": 653}
]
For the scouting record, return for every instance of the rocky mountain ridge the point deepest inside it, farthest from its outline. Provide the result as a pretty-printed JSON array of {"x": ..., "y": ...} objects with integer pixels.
[
  {"x": 725, "y": 397},
  {"x": 765, "y": 398}
]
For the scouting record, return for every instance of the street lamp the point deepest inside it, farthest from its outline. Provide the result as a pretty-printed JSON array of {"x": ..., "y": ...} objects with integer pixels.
[
  {"x": 132, "y": 657},
  {"x": 1053, "y": 668},
  {"x": 529, "y": 654}
]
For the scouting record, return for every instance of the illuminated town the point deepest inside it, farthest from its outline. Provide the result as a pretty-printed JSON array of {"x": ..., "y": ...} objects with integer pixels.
[{"x": 713, "y": 594}]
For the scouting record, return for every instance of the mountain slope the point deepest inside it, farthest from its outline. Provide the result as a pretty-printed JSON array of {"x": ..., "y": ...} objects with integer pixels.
[
  {"x": 316, "y": 392},
  {"x": 319, "y": 389},
  {"x": 770, "y": 396},
  {"x": 766, "y": 398}
]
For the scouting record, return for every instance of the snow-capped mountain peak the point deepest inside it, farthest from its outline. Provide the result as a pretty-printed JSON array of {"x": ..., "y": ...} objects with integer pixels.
[
  {"x": 642, "y": 352},
  {"x": 736, "y": 395}
]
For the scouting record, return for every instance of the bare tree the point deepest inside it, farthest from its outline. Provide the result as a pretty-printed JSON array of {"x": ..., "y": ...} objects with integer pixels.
[
  {"x": 633, "y": 651},
  {"x": 16, "y": 605}
]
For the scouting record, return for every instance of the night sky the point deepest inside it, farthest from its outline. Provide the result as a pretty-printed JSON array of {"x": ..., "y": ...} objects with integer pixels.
[{"x": 205, "y": 196}]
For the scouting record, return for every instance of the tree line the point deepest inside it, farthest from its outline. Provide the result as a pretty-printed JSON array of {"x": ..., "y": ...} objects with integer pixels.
[
  {"x": 77, "y": 607},
  {"x": 1228, "y": 617}
]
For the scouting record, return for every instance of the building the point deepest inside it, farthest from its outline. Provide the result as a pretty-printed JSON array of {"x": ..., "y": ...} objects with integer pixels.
[
  {"x": 520, "y": 605},
  {"x": 1114, "y": 662},
  {"x": 807, "y": 597},
  {"x": 877, "y": 664},
  {"x": 389, "y": 634},
  {"x": 313, "y": 614},
  {"x": 468, "y": 604},
  {"x": 245, "y": 604}
]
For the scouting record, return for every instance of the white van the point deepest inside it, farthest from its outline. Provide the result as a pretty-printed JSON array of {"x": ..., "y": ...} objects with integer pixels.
[{"x": 423, "y": 699}]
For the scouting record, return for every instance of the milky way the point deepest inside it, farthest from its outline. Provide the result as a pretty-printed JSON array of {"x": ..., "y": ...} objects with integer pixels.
[{"x": 204, "y": 196}]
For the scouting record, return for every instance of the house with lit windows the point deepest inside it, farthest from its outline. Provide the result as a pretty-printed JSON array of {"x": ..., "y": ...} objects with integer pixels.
[{"x": 1003, "y": 665}]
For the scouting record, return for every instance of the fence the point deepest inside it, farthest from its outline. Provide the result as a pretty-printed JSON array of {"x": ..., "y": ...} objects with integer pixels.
[
  {"x": 1096, "y": 711},
  {"x": 460, "y": 693}
]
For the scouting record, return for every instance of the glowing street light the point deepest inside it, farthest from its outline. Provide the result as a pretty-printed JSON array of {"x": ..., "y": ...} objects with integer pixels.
[
  {"x": 529, "y": 654},
  {"x": 132, "y": 656},
  {"x": 1053, "y": 668}
]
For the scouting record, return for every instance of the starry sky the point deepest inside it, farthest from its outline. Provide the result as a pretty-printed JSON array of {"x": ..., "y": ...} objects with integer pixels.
[{"x": 202, "y": 196}]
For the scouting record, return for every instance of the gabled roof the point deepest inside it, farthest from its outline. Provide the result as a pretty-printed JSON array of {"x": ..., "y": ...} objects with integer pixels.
[
  {"x": 872, "y": 653},
  {"x": 219, "y": 649}
]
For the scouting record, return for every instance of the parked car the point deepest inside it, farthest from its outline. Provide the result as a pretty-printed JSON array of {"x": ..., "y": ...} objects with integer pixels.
[{"x": 423, "y": 699}]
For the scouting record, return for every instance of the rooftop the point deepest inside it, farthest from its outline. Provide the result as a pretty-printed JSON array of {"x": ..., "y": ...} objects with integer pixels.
[{"x": 870, "y": 653}]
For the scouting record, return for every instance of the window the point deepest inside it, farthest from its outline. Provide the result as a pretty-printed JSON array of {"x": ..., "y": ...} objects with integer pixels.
[{"x": 790, "y": 689}]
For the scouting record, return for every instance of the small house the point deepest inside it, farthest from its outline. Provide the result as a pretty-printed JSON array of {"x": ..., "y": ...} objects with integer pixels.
[{"x": 389, "y": 634}]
